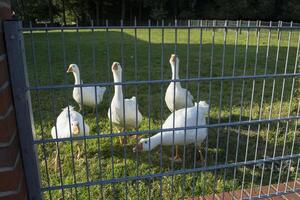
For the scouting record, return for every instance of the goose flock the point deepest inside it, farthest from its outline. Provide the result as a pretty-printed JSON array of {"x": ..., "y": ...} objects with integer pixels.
[{"x": 181, "y": 125}]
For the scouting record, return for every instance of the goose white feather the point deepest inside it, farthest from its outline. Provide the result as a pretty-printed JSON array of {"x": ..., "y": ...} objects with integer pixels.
[
  {"x": 69, "y": 122},
  {"x": 183, "y": 97},
  {"x": 133, "y": 117},
  {"x": 88, "y": 93},
  {"x": 186, "y": 117}
]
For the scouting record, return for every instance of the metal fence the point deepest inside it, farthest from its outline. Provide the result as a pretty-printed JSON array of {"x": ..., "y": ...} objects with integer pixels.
[{"x": 247, "y": 74}]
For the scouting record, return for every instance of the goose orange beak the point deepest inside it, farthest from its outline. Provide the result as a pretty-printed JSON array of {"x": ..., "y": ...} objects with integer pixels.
[{"x": 138, "y": 147}]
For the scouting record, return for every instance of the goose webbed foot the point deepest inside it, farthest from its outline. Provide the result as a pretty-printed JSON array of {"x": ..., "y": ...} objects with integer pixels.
[{"x": 177, "y": 157}]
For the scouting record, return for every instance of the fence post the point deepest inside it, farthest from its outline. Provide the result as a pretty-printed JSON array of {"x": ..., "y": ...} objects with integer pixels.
[{"x": 18, "y": 76}]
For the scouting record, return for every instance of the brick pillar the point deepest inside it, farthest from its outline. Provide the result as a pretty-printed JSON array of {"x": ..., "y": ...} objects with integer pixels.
[{"x": 12, "y": 179}]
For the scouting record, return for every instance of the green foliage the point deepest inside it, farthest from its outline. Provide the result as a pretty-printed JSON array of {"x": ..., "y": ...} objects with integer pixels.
[{"x": 85, "y": 10}]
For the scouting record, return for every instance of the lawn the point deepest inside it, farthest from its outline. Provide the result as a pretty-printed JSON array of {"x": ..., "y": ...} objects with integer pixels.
[{"x": 145, "y": 57}]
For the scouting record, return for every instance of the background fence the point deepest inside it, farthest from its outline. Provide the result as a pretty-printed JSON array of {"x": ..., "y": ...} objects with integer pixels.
[{"x": 247, "y": 73}]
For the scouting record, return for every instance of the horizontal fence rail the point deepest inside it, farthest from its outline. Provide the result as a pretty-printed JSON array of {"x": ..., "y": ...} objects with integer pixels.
[
  {"x": 110, "y": 135},
  {"x": 266, "y": 76},
  {"x": 243, "y": 138}
]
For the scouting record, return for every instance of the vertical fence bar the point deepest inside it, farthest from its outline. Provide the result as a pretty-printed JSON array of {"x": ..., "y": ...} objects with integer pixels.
[
  {"x": 161, "y": 103},
  {"x": 39, "y": 106},
  {"x": 296, "y": 123},
  {"x": 173, "y": 124},
  {"x": 220, "y": 104},
  {"x": 186, "y": 101},
  {"x": 251, "y": 104},
  {"x": 124, "y": 111},
  {"x": 107, "y": 39},
  {"x": 231, "y": 101},
  {"x": 67, "y": 102},
  {"x": 136, "y": 108},
  {"x": 297, "y": 168},
  {"x": 96, "y": 107},
  {"x": 261, "y": 103},
  {"x": 292, "y": 151},
  {"x": 22, "y": 103},
  {"x": 53, "y": 107},
  {"x": 273, "y": 92},
  {"x": 149, "y": 99},
  {"x": 280, "y": 106},
  {"x": 209, "y": 99},
  {"x": 241, "y": 107},
  {"x": 281, "y": 100},
  {"x": 197, "y": 99}
]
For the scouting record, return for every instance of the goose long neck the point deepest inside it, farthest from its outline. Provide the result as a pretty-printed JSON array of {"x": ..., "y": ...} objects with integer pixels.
[
  {"x": 118, "y": 88},
  {"x": 77, "y": 77},
  {"x": 155, "y": 140},
  {"x": 175, "y": 69}
]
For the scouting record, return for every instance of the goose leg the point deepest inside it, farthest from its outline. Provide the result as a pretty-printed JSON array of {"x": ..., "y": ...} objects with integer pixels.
[
  {"x": 55, "y": 162},
  {"x": 136, "y": 136},
  {"x": 121, "y": 139},
  {"x": 177, "y": 157},
  {"x": 200, "y": 153},
  {"x": 80, "y": 107},
  {"x": 78, "y": 156}
]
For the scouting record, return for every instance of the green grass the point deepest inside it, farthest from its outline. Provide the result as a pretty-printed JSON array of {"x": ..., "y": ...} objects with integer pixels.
[{"x": 48, "y": 68}]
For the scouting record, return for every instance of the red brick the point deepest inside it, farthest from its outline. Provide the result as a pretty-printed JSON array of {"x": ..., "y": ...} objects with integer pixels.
[
  {"x": 3, "y": 71},
  {"x": 19, "y": 195},
  {"x": 237, "y": 194},
  {"x": 2, "y": 48},
  {"x": 7, "y": 127},
  {"x": 11, "y": 179},
  {"x": 5, "y": 11},
  {"x": 209, "y": 197},
  {"x": 226, "y": 196},
  {"x": 8, "y": 155},
  {"x": 292, "y": 196},
  {"x": 6, "y": 100}
]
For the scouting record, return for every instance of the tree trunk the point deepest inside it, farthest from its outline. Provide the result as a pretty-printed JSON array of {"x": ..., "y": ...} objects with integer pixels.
[
  {"x": 140, "y": 10},
  {"x": 123, "y": 10},
  {"x": 175, "y": 9},
  {"x": 64, "y": 12},
  {"x": 97, "y": 13},
  {"x": 50, "y": 11}
]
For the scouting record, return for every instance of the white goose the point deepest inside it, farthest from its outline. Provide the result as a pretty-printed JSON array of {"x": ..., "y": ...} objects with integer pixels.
[
  {"x": 133, "y": 117},
  {"x": 69, "y": 122},
  {"x": 147, "y": 144},
  {"x": 88, "y": 93},
  {"x": 183, "y": 97}
]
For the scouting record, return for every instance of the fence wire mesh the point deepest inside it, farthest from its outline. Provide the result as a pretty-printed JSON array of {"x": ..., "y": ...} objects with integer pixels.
[{"x": 246, "y": 72}]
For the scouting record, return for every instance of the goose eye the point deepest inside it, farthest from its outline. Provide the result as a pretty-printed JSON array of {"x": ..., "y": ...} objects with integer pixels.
[{"x": 145, "y": 142}]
